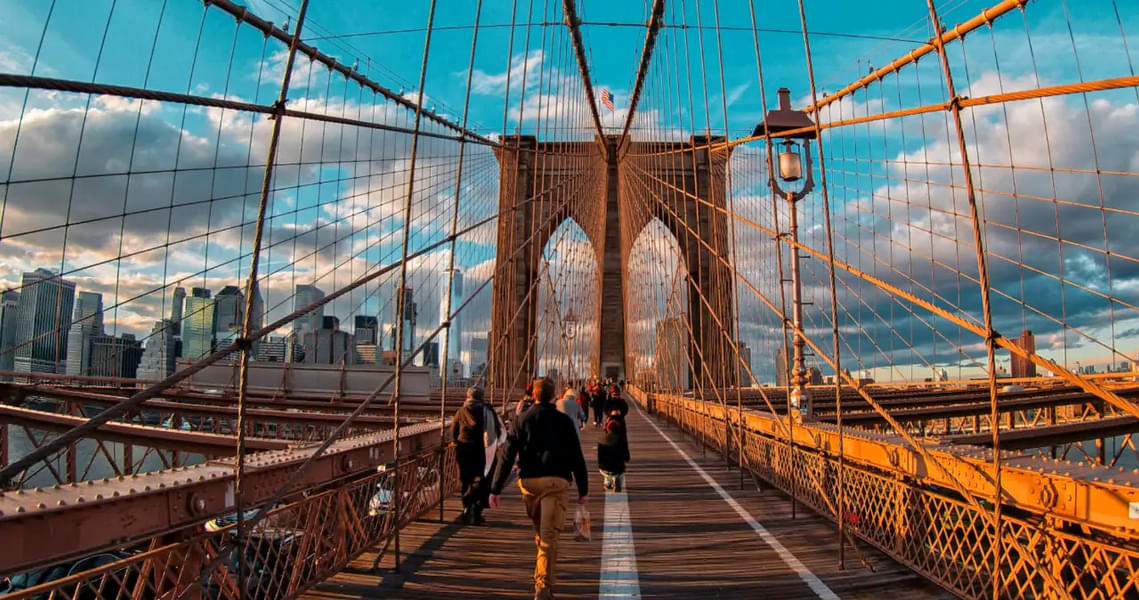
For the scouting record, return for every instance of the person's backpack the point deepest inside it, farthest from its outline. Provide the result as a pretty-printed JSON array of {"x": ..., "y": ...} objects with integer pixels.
[{"x": 490, "y": 429}]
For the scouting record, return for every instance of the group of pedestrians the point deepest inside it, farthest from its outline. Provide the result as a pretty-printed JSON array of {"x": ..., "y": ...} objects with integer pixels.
[{"x": 544, "y": 437}]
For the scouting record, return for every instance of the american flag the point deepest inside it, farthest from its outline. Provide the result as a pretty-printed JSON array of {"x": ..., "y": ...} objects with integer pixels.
[{"x": 607, "y": 99}]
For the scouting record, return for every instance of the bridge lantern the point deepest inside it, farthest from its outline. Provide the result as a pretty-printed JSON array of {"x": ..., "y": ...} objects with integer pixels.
[
  {"x": 569, "y": 324},
  {"x": 790, "y": 162},
  {"x": 790, "y": 128}
]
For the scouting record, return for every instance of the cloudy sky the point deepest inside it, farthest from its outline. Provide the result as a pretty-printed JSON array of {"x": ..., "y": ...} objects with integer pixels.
[{"x": 131, "y": 198}]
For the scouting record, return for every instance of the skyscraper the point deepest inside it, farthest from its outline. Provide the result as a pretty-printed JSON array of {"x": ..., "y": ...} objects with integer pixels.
[
  {"x": 304, "y": 296},
  {"x": 452, "y": 346},
  {"x": 745, "y": 359},
  {"x": 229, "y": 308},
  {"x": 46, "y": 304},
  {"x": 1022, "y": 367},
  {"x": 198, "y": 324},
  {"x": 480, "y": 347},
  {"x": 9, "y": 313},
  {"x": 781, "y": 366},
  {"x": 406, "y": 311},
  {"x": 176, "y": 302},
  {"x": 157, "y": 360},
  {"x": 86, "y": 323},
  {"x": 328, "y": 345},
  {"x": 366, "y": 330},
  {"x": 113, "y": 356}
]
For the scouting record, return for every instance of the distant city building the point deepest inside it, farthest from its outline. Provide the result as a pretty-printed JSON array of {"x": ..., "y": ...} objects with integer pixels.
[
  {"x": 198, "y": 324},
  {"x": 943, "y": 375},
  {"x": 368, "y": 353},
  {"x": 304, "y": 296},
  {"x": 454, "y": 371},
  {"x": 46, "y": 305},
  {"x": 366, "y": 330},
  {"x": 781, "y": 366},
  {"x": 229, "y": 305},
  {"x": 479, "y": 350},
  {"x": 452, "y": 345},
  {"x": 157, "y": 360},
  {"x": 86, "y": 323},
  {"x": 329, "y": 345},
  {"x": 229, "y": 308},
  {"x": 407, "y": 312},
  {"x": 273, "y": 349},
  {"x": 115, "y": 356},
  {"x": 745, "y": 361},
  {"x": 1022, "y": 367},
  {"x": 671, "y": 356},
  {"x": 9, "y": 315},
  {"x": 814, "y": 376},
  {"x": 177, "y": 300},
  {"x": 431, "y": 355}
]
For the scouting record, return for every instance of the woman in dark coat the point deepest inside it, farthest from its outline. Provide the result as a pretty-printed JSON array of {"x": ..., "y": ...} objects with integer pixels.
[{"x": 613, "y": 452}]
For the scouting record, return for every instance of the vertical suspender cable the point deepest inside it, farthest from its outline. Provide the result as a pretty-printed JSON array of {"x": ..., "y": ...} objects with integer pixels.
[
  {"x": 983, "y": 276},
  {"x": 451, "y": 264},
  {"x": 246, "y": 343},
  {"x": 401, "y": 308},
  {"x": 841, "y": 515}
]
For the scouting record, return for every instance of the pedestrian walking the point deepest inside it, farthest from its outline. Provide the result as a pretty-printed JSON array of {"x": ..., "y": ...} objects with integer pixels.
[
  {"x": 549, "y": 457},
  {"x": 569, "y": 407},
  {"x": 597, "y": 403},
  {"x": 474, "y": 428},
  {"x": 615, "y": 402},
  {"x": 525, "y": 402},
  {"x": 613, "y": 452},
  {"x": 583, "y": 402}
]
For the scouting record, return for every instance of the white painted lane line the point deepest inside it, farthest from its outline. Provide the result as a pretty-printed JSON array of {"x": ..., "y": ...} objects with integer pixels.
[
  {"x": 821, "y": 590},
  {"x": 618, "y": 554}
]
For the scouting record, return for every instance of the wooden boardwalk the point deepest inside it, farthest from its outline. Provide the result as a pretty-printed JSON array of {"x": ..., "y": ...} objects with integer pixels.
[{"x": 690, "y": 542}]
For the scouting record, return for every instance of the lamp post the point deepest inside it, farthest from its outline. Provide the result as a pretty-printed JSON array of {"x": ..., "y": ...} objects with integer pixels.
[
  {"x": 569, "y": 330},
  {"x": 792, "y": 130}
]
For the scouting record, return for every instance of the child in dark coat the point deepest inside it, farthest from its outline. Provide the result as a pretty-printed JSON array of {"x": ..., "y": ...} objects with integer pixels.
[{"x": 613, "y": 451}]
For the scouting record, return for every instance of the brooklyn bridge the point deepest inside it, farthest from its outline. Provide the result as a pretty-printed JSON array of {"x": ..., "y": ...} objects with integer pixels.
[{"x": 861, "y": 270}]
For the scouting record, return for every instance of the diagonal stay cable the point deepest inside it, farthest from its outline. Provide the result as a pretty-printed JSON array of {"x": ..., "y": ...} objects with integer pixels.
[
  {"x": 574, "y": 22},
  {"x": 642, "y": 70}
]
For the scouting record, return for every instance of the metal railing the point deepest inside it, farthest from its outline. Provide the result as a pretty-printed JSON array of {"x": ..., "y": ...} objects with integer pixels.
[
  {"x": 295, "y": 546},
  {"x": 925, "y": 527}
]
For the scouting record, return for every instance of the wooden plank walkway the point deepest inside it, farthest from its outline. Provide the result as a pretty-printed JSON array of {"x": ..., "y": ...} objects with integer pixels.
[{"x": 690, "y": 542}]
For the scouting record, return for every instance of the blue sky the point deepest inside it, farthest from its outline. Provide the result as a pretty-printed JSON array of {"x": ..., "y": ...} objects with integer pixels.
[{"x": 334, "y": 219}]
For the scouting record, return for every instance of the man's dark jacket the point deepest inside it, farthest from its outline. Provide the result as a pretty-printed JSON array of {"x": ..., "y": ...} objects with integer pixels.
[{"x": 544, "y": 440}]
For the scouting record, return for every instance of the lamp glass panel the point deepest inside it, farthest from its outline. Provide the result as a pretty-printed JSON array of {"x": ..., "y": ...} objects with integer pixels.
[{"x": 790, "y": 165}]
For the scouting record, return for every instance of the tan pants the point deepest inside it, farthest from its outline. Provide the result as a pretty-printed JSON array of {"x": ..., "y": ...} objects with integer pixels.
[{"x": 545, "y": 499}]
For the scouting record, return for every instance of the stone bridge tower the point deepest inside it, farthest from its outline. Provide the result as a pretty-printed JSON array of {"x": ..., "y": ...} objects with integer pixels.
[{"x": 534, "y": 180}]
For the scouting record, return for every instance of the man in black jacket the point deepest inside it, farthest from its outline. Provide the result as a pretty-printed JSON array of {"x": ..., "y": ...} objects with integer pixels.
[{"x": 549, "y": 455}]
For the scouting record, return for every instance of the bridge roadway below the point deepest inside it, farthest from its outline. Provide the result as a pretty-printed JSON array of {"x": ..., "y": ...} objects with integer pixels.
[{"x": 686, "y": 540}]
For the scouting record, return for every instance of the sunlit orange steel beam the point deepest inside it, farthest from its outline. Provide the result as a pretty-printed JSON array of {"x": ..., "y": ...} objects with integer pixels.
[
  {"x": 1099, "y": 85},
  {"x": 1097, "y": 496},
  {"x": 958, "y": 32}
]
